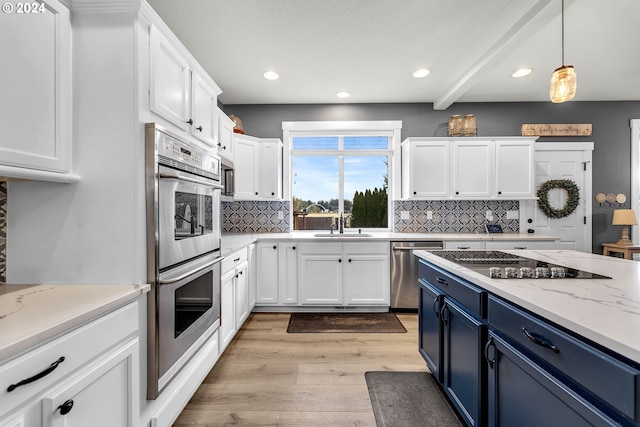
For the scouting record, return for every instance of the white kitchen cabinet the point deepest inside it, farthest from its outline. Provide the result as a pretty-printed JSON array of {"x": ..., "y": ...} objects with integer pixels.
[
  {"x": 170, "y": 73},
  {"x": 429, "y": 168},
  {"x": 349, "y": 274},
  {"x": 473, "y": 169},
  {"x": 95, "y": 368},
  {"x": 179, "y": 93},
  {"x": 205, "y": 103},
  {"x": 366, "y": 273},
  {"x": 36, "y": 87},
  {"x": 276, "y": 273},
  {"x": 521, "y": 244},
  {"x": 515, "y": 177},
  {"x": 234, "y": 295},
  {"x": 258, "y": 168},
  {"x": 252, "y": 260},
  {"x": 453, "y": 245},
  {"x": 468, "y": 168},
  {"x": 320, "y": 279},
  {"x": 225, "y": 134}
]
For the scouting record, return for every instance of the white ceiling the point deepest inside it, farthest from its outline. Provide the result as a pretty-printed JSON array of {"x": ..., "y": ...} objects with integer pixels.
[{"x": 371, "y": 47}]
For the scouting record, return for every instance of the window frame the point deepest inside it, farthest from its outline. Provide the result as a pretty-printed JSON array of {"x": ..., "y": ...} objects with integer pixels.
[{"x": 389, "y": 128}]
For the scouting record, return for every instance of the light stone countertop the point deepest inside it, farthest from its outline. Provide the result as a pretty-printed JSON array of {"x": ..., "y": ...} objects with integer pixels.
[
  {"x": 33, "y": 315},
  {"x": 606, "y": 311},
  {"x": 234, "y": 241}
]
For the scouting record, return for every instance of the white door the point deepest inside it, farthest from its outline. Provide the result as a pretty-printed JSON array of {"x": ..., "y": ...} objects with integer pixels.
[{"x": 553, "y": 162}]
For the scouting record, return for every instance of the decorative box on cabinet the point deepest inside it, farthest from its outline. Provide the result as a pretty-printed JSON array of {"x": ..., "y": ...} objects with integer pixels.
[
  {"x": 36, "y": 115},
  {"x": 179, "y": 93},
  {"x": 92, "y": 379}
]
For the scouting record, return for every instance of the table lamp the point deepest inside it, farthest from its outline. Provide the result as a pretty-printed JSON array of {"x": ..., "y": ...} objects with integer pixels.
[{"x": 626, "y": 218}]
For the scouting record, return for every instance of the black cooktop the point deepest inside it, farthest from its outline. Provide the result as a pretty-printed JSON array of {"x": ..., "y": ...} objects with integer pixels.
[{"x": 502, "y": 265}]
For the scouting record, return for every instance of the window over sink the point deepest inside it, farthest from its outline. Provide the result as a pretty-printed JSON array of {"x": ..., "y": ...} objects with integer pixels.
[{"x": 340, "y": 168}]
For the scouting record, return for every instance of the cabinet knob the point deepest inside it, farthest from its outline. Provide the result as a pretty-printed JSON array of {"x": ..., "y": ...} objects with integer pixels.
[
  {"x": 415, "y": 192},
  {"x": 499, "y": 192},
  {"x": 340, "y": 260},
  {"x": 272, "y": 193},
  {"x": 66, "y": 407},
  {"x": 294, "y": 248},
  {"x": 457, "y": 192},
  {"x": 256, "y": 193},
  {"x": 275, "y": 247},
  {"x": 199, "y": 128},
  {"x": 190, "y": 121},
  {"x": 349, "y": 259}
]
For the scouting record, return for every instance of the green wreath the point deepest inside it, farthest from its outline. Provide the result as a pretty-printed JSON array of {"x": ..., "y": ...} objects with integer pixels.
[{"x": 572, "y": 202}]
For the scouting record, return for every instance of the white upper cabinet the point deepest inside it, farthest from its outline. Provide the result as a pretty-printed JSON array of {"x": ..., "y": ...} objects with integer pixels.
[
  {"x": 36, "y": 114},
  {"x": 429, "y": 171},
  {"x": 258, "y": 168},
  {"x": 473, "y": 169},
  {"x": 225, "y": 134},
  {"x": 515, "y": 174},
  {"x": 468, "y": 168},
  {"x": 170, "y": 82},
  {"x": 179, "y": 93}
]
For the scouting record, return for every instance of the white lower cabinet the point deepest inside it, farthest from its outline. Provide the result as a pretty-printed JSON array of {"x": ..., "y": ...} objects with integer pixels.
[
  {"x": 522, "y": 244},
  {"x": 234, "y": 296},
  {"x": 276, "y": 273},
  {"x": 463, "y": 245},
  {"x": 88, "y": 376},
  {"x": 345, "y": 274}
]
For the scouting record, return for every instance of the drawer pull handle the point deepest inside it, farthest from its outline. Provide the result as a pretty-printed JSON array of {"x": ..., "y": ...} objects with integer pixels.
[
  {"x": 442, "y": 281},
  {"x": 519, "y": 247},
  {"x": 486, "y": 353},
  {"x": 537, "y": 339},
  {"x": 37, "y": 376},
  {"x": 66, "y": 407},
  {"x": 237, "y": 259},
  {"x": 443, "y": 311},
  {"x": 464, "y": 247},
  {"x": 436, "y": 310}
]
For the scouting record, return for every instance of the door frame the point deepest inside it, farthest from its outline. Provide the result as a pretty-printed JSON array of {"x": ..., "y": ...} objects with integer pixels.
[{"x": 634, "y": 124}]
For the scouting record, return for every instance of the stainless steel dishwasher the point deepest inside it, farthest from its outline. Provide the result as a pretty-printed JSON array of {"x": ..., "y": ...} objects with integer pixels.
[{"x": 404, "y": 273}]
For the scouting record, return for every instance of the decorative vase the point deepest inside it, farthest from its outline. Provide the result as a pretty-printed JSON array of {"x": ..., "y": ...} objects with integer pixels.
[
  {"x": 237, "y": 124},
  {"x": 455, "y": 125},
  {"x": 469, "y": 127}
]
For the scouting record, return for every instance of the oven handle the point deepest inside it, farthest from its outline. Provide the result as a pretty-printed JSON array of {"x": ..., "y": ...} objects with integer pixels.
[
  {"x": 190, "y": 273},
  {"x": 189, "y": 179}
]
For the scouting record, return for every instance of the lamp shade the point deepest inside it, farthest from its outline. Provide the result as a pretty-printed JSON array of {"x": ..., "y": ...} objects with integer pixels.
[
  {"x": 624, "y": 217},
  {"x": 563, "y": 84}
]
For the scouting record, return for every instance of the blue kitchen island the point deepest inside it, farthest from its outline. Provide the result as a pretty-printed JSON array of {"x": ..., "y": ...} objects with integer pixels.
[{"x": 530, "y": 351}]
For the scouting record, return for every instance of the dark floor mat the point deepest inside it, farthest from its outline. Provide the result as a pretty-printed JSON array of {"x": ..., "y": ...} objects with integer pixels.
[
  {"x": 344, "y": 322},
  {"x": 408, "y": 399}
]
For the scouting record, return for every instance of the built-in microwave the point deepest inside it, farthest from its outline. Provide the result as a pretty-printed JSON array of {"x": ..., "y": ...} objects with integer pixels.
[{"x": 227, "y": 179}]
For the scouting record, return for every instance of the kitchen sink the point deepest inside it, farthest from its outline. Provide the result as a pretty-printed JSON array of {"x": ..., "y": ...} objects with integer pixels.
[{"x": 349, "y": 235}]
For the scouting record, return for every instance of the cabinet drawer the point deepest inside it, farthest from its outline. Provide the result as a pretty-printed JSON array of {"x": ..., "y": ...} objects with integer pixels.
[
  {"x": 77, "y": 347},
  {"x": 469, "y": 296},
  {"x": 520, "y": 244},
  {"x": 594, "y": 372},
  {"x": 472, "y": 244},
  {"x": 378, "y": 248},
  {"x": 235, "y": 259}
]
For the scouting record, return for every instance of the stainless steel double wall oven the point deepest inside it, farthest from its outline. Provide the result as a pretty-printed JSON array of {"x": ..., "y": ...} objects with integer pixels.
[{"x": 183, "y": 252}]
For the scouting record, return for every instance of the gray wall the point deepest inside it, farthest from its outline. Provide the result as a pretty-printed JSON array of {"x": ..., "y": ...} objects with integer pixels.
[{"x": 610, "y": 120}]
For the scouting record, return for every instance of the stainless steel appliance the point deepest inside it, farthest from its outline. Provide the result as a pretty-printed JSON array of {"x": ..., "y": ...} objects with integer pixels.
[
  {"x": 228, "y": 179},
  {"x": 183, "y": 252},
  {"x": 404, "y": 273},
  {"x": 503, "y": 265}
]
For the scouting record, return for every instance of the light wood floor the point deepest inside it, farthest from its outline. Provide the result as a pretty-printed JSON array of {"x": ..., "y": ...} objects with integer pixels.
[{"x": 267, "y": 377}]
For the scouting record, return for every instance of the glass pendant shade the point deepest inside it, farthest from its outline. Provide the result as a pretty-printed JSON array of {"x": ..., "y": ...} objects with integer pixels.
[{"x": 563, "y": 84}]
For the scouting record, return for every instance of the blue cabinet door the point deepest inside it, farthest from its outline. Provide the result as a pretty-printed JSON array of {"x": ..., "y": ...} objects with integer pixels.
[
  {"x": 463, "y": 364},
  {"x": 521, "y": 393},
  {"x": 430, "y": 328}
]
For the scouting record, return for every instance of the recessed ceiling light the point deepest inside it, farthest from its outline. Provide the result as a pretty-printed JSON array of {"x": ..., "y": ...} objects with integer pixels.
[
  {"x": 271, "y": 75},
  {"x": 522, "y": 72},
  {"x": 343, "y": 94},
  {"x": 422, "y": 72}
]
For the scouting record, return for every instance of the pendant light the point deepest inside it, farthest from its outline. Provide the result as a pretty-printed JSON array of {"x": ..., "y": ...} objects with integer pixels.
[{"x": 563, "y": 80}]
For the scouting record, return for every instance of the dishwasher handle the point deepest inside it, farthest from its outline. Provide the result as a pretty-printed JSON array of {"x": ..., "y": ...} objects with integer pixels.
[{"x": 416, "y": 248}]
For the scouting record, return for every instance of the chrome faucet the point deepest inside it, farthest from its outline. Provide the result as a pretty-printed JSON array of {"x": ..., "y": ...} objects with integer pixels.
[{"x": 341, "y": 224}]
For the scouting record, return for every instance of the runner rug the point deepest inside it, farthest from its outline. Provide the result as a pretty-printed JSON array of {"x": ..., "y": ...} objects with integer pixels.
[
  {"x": 344, "y": 322},
  {"x": 409, "y": 399}
]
